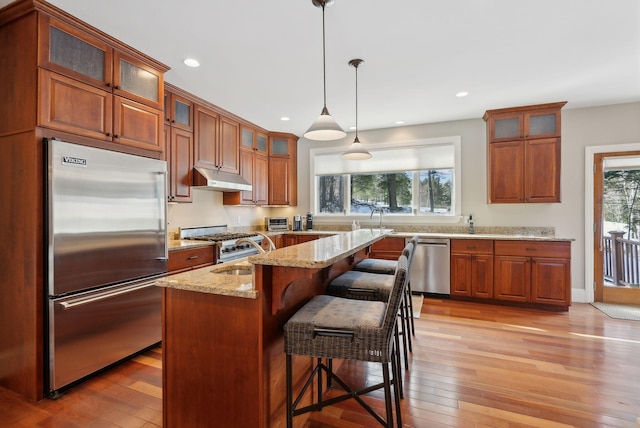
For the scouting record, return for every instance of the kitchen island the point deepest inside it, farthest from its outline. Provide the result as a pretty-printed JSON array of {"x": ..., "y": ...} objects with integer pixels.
[{"x": 223, "y": 350}]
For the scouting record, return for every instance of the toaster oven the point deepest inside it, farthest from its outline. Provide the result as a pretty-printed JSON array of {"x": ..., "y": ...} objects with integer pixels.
[{"x": 277, "y": 223}]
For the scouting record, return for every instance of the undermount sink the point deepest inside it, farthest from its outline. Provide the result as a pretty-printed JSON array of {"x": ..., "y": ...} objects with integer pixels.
[{"x": 237, "y": 271}]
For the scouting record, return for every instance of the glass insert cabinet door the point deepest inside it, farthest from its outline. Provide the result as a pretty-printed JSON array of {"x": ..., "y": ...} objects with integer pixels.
[
  {"x": 135, "y": 80},
  {"x": 71, "y": 52},
  {"x": 539, "y": 124},
  {"x": 252, "y": 140}
]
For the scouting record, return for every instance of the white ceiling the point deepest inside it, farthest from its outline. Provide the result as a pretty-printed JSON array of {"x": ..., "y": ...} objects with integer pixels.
[{"x": 263, "y": 59}]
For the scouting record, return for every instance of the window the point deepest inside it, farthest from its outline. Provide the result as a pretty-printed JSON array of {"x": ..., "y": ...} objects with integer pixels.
[{"x": 411, "y": 179}]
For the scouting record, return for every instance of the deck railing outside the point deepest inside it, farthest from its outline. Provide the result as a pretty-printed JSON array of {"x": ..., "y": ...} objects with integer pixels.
[{"x": 621, "y": 260}]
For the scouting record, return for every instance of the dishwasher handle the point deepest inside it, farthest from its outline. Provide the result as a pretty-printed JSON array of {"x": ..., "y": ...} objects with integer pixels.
[{"x": 434, "y": 242}]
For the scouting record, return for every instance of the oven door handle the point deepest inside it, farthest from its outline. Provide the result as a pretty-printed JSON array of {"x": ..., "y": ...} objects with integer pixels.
[{"x": 81, "y": 301}]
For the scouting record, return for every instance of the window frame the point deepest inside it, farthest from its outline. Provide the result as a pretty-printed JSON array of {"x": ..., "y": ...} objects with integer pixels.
[{"x": 456, "y": 196}]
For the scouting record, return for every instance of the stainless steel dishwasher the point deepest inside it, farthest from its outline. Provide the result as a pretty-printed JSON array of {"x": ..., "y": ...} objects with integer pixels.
[{"x": 430, "y": 267}]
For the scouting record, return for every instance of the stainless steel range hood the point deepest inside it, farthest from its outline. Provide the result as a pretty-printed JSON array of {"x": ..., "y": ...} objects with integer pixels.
[{"x": 213, "y": 179}]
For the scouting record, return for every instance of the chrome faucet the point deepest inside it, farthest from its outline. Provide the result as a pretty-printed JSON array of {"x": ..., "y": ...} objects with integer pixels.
[
  {"x": 379, "y": 210},
  {"x": 252, "y": 242}
]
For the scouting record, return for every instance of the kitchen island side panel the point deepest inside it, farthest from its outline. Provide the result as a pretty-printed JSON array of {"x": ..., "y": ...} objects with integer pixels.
[{"x": 211, "y": 360}]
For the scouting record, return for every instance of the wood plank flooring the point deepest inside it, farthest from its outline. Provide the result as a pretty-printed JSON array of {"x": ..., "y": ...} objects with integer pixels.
[{"x": 473, "y": 365}]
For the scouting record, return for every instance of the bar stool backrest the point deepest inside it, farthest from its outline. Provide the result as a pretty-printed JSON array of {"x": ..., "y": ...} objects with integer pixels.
[{"x": 395, "y": 298}]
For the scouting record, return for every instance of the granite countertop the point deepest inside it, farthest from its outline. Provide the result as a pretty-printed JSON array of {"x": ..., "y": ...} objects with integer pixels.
[
  {"x": 181, "y": 244},
  {"x": 214, "y": 280},
  {"x": 495, "y": 236},
  {"x": 322, "y": 252}
]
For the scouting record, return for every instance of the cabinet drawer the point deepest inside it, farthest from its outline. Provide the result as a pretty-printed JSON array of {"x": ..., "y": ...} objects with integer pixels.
[
  {"x": 472, "y": 246},
  {"x": 533, "y": 249},
  {"x": 189, "y": 258}
]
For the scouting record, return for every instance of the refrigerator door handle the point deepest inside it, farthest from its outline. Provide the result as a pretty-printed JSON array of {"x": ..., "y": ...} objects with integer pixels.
[{"x": 81, "y": 301}]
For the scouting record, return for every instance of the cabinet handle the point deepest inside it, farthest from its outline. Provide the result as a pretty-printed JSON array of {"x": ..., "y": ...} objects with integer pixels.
[
  {"x": 109, "y": 84},
  {"x": 117, "y": 87},
  {"x": 109, "y": 134},
  {"x": 192, "y": 257}
]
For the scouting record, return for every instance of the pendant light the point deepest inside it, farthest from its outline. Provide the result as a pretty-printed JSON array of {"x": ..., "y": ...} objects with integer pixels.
[
  {"x": 325, "y": 128},
  {"x": 356, "y": 149}
]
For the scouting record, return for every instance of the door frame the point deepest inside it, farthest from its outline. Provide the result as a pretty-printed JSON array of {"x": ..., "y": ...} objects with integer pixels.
[{"x": 590, "y": 228}]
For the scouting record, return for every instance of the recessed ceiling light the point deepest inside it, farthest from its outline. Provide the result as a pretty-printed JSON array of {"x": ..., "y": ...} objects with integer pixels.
[
  {"x": 191, "y": 62},
  {"x": 400, "y": 122},
  {"x": 462, "y": 94},
  {"x": 284, "y": 118}
]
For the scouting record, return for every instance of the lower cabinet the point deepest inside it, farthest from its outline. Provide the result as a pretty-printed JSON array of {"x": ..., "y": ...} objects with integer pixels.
[
  {"x": 289, "y": 239},
  {"x": 472, "y": 268},
  {"x": 389, "y": 248},
  {"x": 533, "y": 272},
  {"x": 190, "y": 258}
]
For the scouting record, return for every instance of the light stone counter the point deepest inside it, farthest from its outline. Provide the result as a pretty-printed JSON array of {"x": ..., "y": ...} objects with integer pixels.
[
  {"x": 492, "y": 236},
  {"x": 181, "y": 244},
  {"x": 322, "y": 252},
  {"x": 213, "y": 280}
]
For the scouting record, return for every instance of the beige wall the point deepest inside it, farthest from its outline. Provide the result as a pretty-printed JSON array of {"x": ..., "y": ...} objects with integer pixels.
[{"x": 616, "y": 124}]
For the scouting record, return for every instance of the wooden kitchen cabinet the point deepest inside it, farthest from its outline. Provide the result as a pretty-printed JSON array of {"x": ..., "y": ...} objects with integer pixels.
[
  {"x": 92, "y": 88},
  {"x": 533, "y": 272},
  {"x": 190, "y": 258},
  {"x": 389, "y": 248},
  {"x": 178, "y": 109},
  {"x": 472, "y": 268},
  {"x": 179, "y": 157},
  {"x": 295, "y": 239},
  {"x": 253, "y": 140},
  {"x": 87, "y": 57},
  {"x": 283, "y": 170},
  {"x": 523, "y": 154},
  {"x": 216, "y": 140},
  {"x": 81, "y": 109},
  {"x": 254, "y": 169}
]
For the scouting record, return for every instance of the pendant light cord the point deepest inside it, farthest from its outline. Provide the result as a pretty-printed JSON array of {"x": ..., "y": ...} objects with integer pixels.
[
  {"x": 356, "y": 101},
  {"x": 324, "y": 62}
]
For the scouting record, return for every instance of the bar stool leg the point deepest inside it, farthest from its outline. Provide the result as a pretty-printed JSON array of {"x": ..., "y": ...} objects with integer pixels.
[
  {"x": 410, "y": 294},
  {"x": 396, "y": 358},
  {"x": 289, "y": 377}
]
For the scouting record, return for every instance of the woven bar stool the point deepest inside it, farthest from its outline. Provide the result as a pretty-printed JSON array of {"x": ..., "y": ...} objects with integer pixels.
[
  {"x": 388, "y": 267},
  {"x": 334, "y": 327},
  {"x": 376, "y": 287}
]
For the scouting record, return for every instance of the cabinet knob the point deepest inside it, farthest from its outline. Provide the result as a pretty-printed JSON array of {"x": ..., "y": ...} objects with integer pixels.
[
  {"x": 116, "y": 136},
  {"x": 117, "y": 87},
  {"x": 109, "y": 84},
  {"x": 109, "y": 134}
]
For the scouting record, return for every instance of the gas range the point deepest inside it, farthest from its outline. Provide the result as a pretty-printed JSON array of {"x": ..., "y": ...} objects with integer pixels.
[{"x": 225, "y": 241}]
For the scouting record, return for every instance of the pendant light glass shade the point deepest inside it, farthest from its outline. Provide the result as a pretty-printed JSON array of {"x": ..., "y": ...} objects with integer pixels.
[
  {"x": 356, "y": 150},
  {"x": 325, "y": 128}
]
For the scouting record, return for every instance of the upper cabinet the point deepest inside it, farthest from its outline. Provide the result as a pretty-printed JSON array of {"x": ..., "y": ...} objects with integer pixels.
[
  {"x": 178, "y": 110},
  {"x": 283, "y": 169},
  {"x": 523, "y": 154},
  {"x": 252, "y": 139},
  {"x": 72, "y": 52},
  {"x": 93, "y": 86},
  {"x": 216, "y": 140}
]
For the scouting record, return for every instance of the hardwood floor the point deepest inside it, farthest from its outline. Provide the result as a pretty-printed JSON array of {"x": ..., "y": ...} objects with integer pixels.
[{"x": 473, "y": 365}]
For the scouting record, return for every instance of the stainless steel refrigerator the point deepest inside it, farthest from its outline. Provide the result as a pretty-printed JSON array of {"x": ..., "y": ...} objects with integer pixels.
[{"x": 107, "y": 243}]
